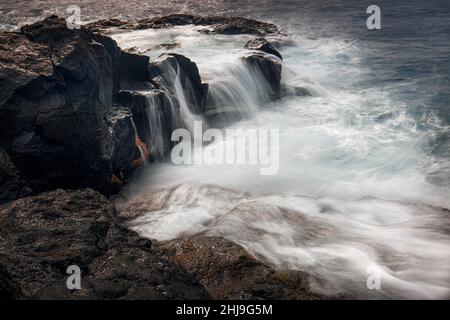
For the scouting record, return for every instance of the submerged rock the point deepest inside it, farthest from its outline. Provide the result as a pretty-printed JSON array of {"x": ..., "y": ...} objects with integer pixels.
[
  {"x": 42, "y": 236},
  {"x": 228, "y": 272},
  {"x": 124, "y": 147},
  {"x": 269, "y": 67}
]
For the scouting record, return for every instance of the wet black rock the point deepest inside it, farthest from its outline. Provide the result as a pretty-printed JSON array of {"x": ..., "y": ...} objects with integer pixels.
[
  {"x": 263, "y": 45},
  {"x": 228, "y": 272},
  {"x": 269, "y": 68},
  {"x": 156, "y": 115},
  {"x": 135, "y": 67},
  {"x": 124, "y": 151},
  {"x": 172, "y": 70},
  {"x": 266, "y": 61},
  {"x": 41, "y": 236},
  {"x": 58, "y": 88},
  {"x": 214, "y": 24}
]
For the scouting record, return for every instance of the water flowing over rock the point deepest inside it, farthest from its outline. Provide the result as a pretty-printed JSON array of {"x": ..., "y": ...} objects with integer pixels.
[
  {"x": 267, "y": 61},
  {"x": 77, "y": 111},
  {"x": 181, "y": 76},
  {"x": 12, "y": 184},
  {"x": 42, "y": 236}
]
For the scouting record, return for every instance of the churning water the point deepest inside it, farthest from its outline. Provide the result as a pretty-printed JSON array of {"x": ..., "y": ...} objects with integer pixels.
[{"x": 364, "y": 162}]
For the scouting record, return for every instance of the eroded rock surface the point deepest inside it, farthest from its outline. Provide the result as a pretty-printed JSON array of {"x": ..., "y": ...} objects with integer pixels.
[
  {"x": 41, "y": 236},
  {"x": 228, "y": 272},
  {"x": 59, "y": 87}
]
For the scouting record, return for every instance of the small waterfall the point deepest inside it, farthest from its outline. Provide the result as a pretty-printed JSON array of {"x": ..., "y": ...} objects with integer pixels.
[
  {"x": 158, "y": 123},
  {"x": 185, "y": 111},
  {"x": 170, "y": 108}
]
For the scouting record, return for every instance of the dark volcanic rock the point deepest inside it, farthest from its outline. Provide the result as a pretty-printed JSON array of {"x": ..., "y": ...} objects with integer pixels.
[
  {"x": 124, "y": 151},
  {"x": 135, "y": 67},
  {"x": 269, "y": 67},
  {"x": 216, "y": 24},
  {"x": 263, "y": 45},
  {"x": 266, "y": 61},
  {"x": 58, "y": 87},
  {"x": 41, "y": 236},
  {"x": 12, "y": 184},
  {"x": 174, "y": 69},
  {"x": 228, "y": 272},
  {"x": 8, "y": 289}
]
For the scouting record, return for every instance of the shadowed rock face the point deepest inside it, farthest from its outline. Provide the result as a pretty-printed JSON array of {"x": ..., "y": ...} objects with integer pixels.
[
  {"x": 174, "y": 69},
  {"x": 267, "y": 61},
  {"x": 12, "y": 184},
  {"x": 155, "y": 104},
  {"x": 228, "y": 272},
  {"x": 269, "y": 67},
  {"x": 58, "y": 88},
  {"x": 41, "y": 236}
]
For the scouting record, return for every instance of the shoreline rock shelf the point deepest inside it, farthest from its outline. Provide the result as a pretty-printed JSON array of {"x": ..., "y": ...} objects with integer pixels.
[{"x": 77, "y": 112}]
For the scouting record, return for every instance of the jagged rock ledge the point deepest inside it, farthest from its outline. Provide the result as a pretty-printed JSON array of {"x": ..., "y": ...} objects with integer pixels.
[
  {"x": 214, "y": 24},
  {"x": 76, "y": 110}
]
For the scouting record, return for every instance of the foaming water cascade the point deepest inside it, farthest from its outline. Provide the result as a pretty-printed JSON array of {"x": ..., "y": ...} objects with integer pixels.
[
  {"x": 353, "y": 191},
  {"x": 186, "y": 113},
  {"x": 334, "y": 240},
  {"x": 157, "y": 124},
  {"x": 142, "y": 147},
  {"x": 234, "y": 93}
]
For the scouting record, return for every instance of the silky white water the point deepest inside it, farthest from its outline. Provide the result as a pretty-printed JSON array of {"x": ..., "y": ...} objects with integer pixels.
[{"x": 353, "y": 188}]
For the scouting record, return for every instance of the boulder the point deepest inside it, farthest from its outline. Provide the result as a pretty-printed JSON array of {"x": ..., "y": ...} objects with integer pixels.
[
  {"x": 156, "y": 113},
  {"x": 228, "y": 272},
  {"x": 58, "y": 88},
  {"x": 268, "y": 68},
  {"x": 41, "y": 236},
  {"x": 176, "y": 72}
]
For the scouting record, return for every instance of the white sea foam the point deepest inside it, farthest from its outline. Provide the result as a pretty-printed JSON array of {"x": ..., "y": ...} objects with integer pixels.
[{"x": 352, "y": 189}]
